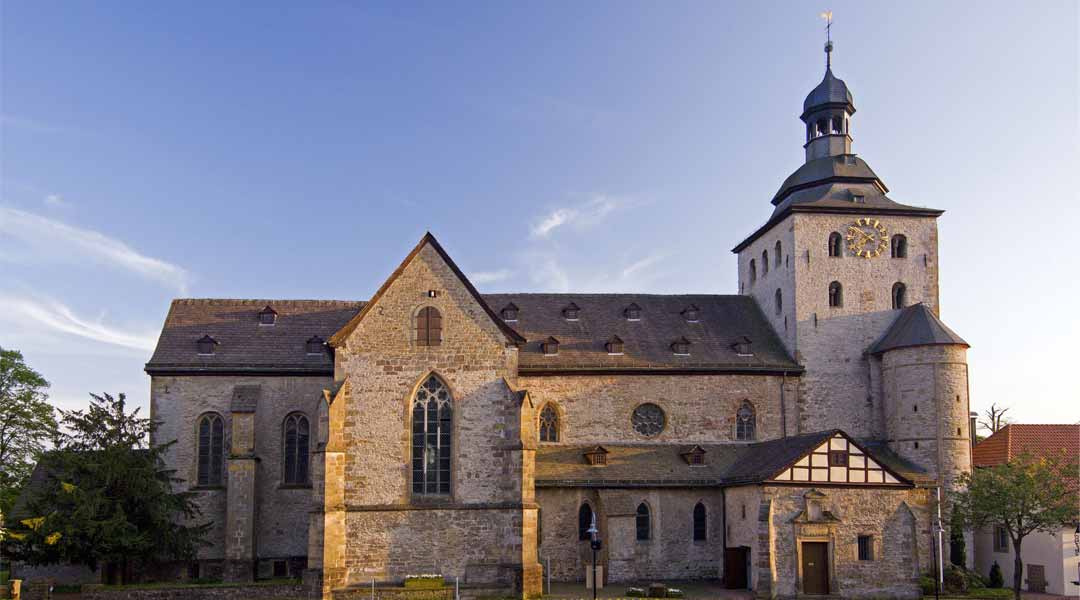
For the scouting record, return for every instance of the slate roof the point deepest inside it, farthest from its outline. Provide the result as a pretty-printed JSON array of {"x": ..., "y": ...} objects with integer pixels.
[
  {"x": 244, "y": 344},
  {"x": 721, "y": 321},
  {"x": 1035, "y": 439},
  {"x": 830, "y": 184},
  {"x": 916, "y": 325},
  {"x": 831, "y": 90},
  {"x": 662, "y": 465}
]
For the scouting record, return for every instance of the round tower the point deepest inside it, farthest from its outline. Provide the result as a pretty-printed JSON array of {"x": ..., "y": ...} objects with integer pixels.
[
  {"x": 827, "y": 113},
  {"x": 924, "y": 377}
]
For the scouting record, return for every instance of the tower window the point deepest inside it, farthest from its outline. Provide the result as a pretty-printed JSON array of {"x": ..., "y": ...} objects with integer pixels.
[
  {"x": 837, "y": 125},
  {"x": 899, "y": 246},
  {"x": 753, "y": 272},
  {"x": 822, "y": 127},
  {"x": 836, "y": 294},
  {"x": 764, "y": 263},
  {"x": 899, "y": 295},
  {"x": 778, "y": 254},
  {"x": 779, "y": 301},
  {"x": 428, "y": 327},
  {"x": 835, "y": 244}
]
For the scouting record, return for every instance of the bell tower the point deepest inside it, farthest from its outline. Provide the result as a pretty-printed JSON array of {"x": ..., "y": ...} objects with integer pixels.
[{"x": 827, "y": 114}]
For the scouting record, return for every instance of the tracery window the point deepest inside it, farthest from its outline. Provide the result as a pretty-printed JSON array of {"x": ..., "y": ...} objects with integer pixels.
[
  {"x": 584, "y": 521},
  {"x": 428, "y": 327},
  {"x": 642, "y": 522},
  {"x": 296, "y": 441},
  {"x": 835, "y": 244},
  {"x": 432, "y": 422},
  {"x": 745, "y": 422},
  {"x": 648, "y": 419},
  {"x": 701, "y": 529},
  {"x": 211, "y": 450},
  {"x": 549, "y": 424}
]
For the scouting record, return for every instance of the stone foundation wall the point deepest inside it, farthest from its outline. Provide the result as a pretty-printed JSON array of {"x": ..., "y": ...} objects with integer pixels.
[{"x": 195, "y": 592}]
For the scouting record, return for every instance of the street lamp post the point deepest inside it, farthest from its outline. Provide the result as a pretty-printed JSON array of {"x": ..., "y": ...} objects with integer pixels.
[
  {"x": 594, "y": 536},
  {"x": 1076, "y": 543}
]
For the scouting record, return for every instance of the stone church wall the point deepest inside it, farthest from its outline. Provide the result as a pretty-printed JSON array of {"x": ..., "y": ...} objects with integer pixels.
[
  {"x": 178, "y": 402},
  {"x": 698, "y": 408},
  {"x": 898, "y": 521},
  {"x": 670, "y": 553},
  {"x": 483, "y": 524}
]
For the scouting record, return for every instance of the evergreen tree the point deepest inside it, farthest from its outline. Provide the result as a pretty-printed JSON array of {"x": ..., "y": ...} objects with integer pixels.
[{"x": 108, "y": 496}]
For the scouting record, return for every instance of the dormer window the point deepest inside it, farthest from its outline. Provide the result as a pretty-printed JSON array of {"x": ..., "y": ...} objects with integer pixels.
[
  {"x": 570, "y": 313},
  {"x": 742, "y": 346},
  {"x": 694, "y": 456},
  {"x": 315, "y": 345},
  {"x": 267, "y": 316},
  {"x": 681, "y": 347},
  {"x": 596, "y": 457},
  {"x": 614, "y": 345},
  {"x": 510, "y": 312},
  {"x": 690, "y": 313},
  {"x": 632, "y": 312},
  {"x": 550, "y": 346},
  {"x": 858, "y": 198},
  {"x": 206, "y": 345}
]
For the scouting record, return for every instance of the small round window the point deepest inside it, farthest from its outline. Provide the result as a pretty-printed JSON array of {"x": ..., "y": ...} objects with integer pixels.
[{"x": 648, "y": 420}]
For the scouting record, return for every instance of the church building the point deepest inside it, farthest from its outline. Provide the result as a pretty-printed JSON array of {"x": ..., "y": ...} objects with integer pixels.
[{"x": 791, "y": 439}]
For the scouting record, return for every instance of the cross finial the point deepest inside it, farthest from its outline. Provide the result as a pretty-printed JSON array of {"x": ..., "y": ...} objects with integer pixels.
[{"x": 827, "y": 15}]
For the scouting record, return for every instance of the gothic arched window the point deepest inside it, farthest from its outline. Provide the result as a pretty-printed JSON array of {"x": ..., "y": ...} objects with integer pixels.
[
  {"x": 432, "y": 421},
  {"x": 777, "y": 255},
  {"x": 899, "y": 295},
  {"x": 836, "y": 294},
  {"x": 835, "y": 242},
  {"x": 764, "y": 263},
  {"x": 428, "y": 327},
  {"x": 211, "y": 450},
  {"x": 584, "y": 521},
  {"x": 549, "y": 424},
  {"x": 296, "y": 441},
  {"x": 642, "y": 522},
  {"x": 899, "y": 246},
  {"x": 753, "y": 271},
  {"x": 745, "y": 422},
  {"x": 701, "y": 528},
  {"x": 779, "y": 301}
]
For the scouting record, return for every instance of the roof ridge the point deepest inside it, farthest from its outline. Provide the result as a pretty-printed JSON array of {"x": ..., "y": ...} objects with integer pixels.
[{"x": 261, "y": 300}]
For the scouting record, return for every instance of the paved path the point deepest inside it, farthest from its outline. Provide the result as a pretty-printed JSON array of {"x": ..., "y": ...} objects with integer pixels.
[{"x": 692, "y": 590}]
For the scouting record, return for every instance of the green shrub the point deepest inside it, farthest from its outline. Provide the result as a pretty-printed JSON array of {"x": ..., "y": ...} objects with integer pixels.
[
  {"x": 425, "y": 582},
  {"x": 996, "y": 579},
  {"x": 990, "y": 593},
  {"x": 4, "y": 576},
  {"x": 926, "y": 583}
]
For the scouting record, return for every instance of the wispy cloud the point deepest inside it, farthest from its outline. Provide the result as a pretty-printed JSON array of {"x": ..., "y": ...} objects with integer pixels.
[
  {"x": 48, "y": 235},
  {"x": 642, "y": 265},
  {"x": 548, "y": 275},
  {"x": 57, "y": 317},
  {"x": 56, "y": 201},
  {"x": 482, "y": 277},
  {"x": 580, "y": 217}
]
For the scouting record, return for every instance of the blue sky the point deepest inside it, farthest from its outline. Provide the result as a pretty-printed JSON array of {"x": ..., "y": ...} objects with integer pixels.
[{"x": 299, "y": 150}]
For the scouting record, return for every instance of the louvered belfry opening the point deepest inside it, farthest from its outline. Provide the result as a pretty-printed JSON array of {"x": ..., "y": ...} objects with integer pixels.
[{"x": 428, "y": 327}]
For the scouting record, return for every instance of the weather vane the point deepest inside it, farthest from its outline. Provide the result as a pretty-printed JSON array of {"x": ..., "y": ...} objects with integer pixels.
[{"x": 827, "y": 15}]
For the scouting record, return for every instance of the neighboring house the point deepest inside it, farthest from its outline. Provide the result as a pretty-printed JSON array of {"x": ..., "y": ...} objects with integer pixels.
[{"x": 1050, "y": 560}]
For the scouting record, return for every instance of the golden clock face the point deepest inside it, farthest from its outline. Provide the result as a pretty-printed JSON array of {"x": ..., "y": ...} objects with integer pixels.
[{"x": 867, "y": 238}]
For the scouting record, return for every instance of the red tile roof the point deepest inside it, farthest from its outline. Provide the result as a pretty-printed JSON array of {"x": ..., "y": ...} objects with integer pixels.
[{"x": 1038, "y": 440}]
